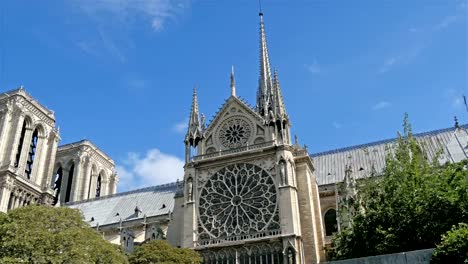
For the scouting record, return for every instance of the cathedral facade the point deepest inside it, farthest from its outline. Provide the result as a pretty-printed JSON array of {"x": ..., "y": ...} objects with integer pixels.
[{"x": 249, "y": 192}]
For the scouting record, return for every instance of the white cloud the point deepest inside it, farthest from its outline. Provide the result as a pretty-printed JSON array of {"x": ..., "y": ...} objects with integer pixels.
[
  {"x": 313, "y": 68},
  {"x": 381, "y": 105},
  {"x": 154, "y": 168},
  {"x": 181, "y": 127},
  {"x": 156, "y": 12}
]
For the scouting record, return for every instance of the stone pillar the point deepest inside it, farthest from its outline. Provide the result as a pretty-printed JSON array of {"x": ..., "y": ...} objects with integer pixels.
[
  {"x": 38, "y": 163},
  {"x": 92, "y": 186},
  {"x": 5, "y": 129},
  {"x": 6, "y": 187},
  {"x": 16, "y": 138},
  {"x": 49, "y": 173},
  {"x": 75, "y": 190},
  {"x": 63, "y": 186},
  {"x": 86, "y": 178},
  {"x": 24, "y": 151}
]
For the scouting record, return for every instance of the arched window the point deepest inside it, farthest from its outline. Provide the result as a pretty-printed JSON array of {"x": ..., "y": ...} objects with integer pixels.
[
  {"x": 20, "y": 145},
  {"x": 57, "y": 185},
  {"x": 31, "y": 154},
  {"x": 98, "y": 186},
  {"x": 331, "y": 225},
  {"x": 69, "y": 183}
]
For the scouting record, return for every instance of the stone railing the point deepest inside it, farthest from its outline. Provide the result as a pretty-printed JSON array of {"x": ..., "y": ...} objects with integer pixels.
[
  {"x": 221, "y": 240},
  {"x": 234, "y": 151}
]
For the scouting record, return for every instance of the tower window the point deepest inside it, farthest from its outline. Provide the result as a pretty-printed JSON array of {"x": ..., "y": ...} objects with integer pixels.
[
  {"x": 69, "y": 183},
  {"x": 98, "y": 186},
  {"x": 331, "y": 225},
  {"x": 20, "y": 145},
  {"x": 57, "y": 185},
  {"x": 31, "y": 154}
]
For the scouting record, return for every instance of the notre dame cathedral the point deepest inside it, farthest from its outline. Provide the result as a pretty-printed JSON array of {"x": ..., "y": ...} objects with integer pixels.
[{"x": 249, "y": 193}]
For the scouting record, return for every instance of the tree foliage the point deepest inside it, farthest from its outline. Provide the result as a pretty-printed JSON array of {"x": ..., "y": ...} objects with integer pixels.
[
  {"x": 409, "y": 207},
  {"x": 40, "y": 234},
  {"x": 159, "y": 251},
  {"x": 454, "y": 246}
]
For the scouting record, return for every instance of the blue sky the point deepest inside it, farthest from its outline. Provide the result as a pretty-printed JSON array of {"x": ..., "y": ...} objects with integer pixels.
[{"x": 121, "y": 72}]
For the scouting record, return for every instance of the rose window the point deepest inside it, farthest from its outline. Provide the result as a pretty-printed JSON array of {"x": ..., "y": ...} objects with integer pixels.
[
  {"x": 239, "y": 199},
  {"x": 234, "y": 133}
]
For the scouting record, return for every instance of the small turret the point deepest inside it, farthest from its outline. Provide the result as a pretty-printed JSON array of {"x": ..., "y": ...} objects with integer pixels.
[{"x": 194, "y": 130}]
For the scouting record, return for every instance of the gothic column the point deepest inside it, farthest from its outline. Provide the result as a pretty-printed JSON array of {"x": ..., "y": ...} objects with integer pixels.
[
  {"x": 93, "y": 185},
  {"x": 63, "y": 186},
  {"x": 49, "y": 173},
  {"x": 16, "y": 138},
  {"x": 5, "y": 131},
  {"x": 75, "y": 191},
  {"x": 24, "y": 151},
  {"x": 6, "y": 188},
  {"x": 38, "y": 164},
  {"x": 86, "y": 179}
]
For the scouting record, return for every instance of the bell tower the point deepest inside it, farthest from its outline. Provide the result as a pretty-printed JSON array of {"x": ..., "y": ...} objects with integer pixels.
[
  {"x": 28, "y": 144},
  {"x": 248, "y": 194}
]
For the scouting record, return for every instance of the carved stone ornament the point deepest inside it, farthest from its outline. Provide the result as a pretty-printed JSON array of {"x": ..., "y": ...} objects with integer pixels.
[
  {"x": 239, "y": 199},
  {"x": 234, "y": 132}
]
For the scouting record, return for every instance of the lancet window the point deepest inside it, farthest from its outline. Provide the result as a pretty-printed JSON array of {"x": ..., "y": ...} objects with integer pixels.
[
  {"x": 98, "y": 186},
  {"x": 57, "y": 185},
  {"x": 69, "y": 183},
  {"x": 20, "y": 145},
  {"x": 31, "y": 154}
]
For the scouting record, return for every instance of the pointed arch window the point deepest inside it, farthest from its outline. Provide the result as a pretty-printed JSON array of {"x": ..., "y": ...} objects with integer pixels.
[
  {"x": 31, "y": 153},
  {"x": 98, "y": 186},
  {"x": 57, "y": 185},
  {"x": 20, "y": 144},
  {"x": 331, "y": 225},
  {"x": 69, "y": 183}
]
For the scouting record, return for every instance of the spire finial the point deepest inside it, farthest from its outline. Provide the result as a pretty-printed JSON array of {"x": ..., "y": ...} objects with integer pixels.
[
  {"x": 233, "y": 82},
  {"x": 457, "y": 125},
  {"x": 265, "y": 85}
]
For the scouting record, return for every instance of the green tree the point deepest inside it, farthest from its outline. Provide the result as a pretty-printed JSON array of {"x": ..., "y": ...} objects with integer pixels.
[
  {"x": 454, "y": 246},
  {"x": 408, "y": 207},
  {"x": 41, "y": 234},
  {"x": 159, "y": 251}
]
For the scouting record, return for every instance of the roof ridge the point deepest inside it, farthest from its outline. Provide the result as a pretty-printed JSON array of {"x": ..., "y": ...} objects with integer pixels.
[
  {"x": 379, "y": 142},
  {"x": 154, "y": 187}
]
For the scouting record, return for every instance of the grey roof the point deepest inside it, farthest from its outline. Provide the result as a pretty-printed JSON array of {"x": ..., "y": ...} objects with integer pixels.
[
  {"x": 330, "y": 165},
  {"x": 149, "y": 200}
]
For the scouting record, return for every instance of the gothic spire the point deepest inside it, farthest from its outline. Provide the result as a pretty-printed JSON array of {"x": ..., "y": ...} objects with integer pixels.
[
  {"x": 265, "y": 85},
  {"x": 194, "y": 133},
  {"x": 233, "y": 82},
  {"x": 278, "y": 102}
]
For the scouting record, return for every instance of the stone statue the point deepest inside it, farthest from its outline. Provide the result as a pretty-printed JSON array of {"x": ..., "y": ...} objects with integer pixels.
[
  {"x": 189, "y": 189},
  {"x": 282, "y": 171}
]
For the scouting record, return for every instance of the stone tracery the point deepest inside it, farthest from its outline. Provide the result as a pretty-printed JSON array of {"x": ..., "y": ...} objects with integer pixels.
[
  {"x": 234, "y": 133},
  {"x": 238, "y": 200}
]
